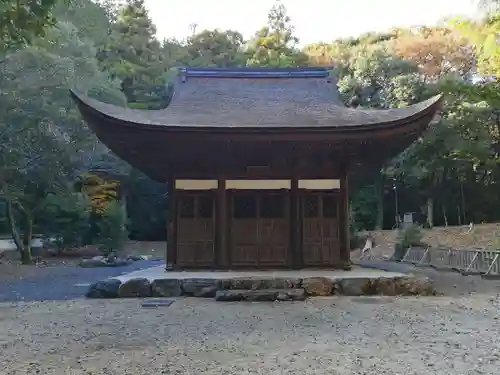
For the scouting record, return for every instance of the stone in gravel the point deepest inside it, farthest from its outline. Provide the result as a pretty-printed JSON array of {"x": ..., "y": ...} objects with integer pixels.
[
  {"x": 135, "y": 288},
  {"x": 260, "y": 295},
  {"x": 104, "y": 289},
  {"x": 413, "y": 286},
  {"x": 198, "y": 287},
  {"x": 118, "y": 262},
  {"x": 296, "y": 294},
  {"x": 384, "y": 286},
  {"x": 92, "y": 263},
  {"x": 166, "y": 288},
  {"x": 318, "y": 286},
  {"x": 356, "y": 287},
  {"x": 134, "y": 258},
  {"x": 229, "y": 295},
  {"x": 206, "y": 292}
]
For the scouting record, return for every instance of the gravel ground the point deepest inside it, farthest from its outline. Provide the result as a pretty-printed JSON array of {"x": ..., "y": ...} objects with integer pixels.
[{"x": 377, "y": 335}]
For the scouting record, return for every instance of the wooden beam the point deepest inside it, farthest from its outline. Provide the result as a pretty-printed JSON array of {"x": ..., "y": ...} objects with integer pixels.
[
  {"x": 344, "y": 240},
  {"x": 171, "y": 253},
  {"x": 221, "y": 226},
  {"x": 295, "y": 226}
]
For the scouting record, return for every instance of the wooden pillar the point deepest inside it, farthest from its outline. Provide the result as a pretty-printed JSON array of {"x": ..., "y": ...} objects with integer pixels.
[
  {"x": 171, "y": 256},
  {"x": 221, "y": 258},
  {"x": 295, "y": 226},
  {"x": 344, "y": 240}
]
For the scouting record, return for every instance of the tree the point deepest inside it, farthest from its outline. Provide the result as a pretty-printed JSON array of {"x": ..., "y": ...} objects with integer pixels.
[
  {"x": 437, "y": 52},
  {"x": 133, "y": 55},
  {"x": 274, "y": 44},
  {"x": 42, "y": 137},
  {"x": 215, "y": 48},
  {"x": 23, "y": 20}
]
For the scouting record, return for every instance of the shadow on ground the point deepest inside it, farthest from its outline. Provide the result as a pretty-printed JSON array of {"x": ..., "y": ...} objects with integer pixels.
[{"x": 64, "y": 283}]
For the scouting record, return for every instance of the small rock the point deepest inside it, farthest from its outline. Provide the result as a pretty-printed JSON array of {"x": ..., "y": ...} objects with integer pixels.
[
  {"x": 135, "y": 288},
  {"x": 296, "y": 294},
  {"x": 166, "y": 288},
  {"x": 134, "y": 258},
  {"x": 318, "y": 286},
  {"x": 206, "y": 292},
  {"x": 356, "y": 287},
  {"x": 118, "y": 262},
  {"x": 93, "y": 263},
  {"x": 194, "y": 287},
  {"x": 104, "y": 289},
  {"x": 229, "y": 295},
  {"x": 282, "y": 296},
  {"x": 261, "y": 295}
]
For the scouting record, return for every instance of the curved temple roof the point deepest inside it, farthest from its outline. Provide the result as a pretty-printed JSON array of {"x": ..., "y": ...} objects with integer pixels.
[{"x": 257, "y": 98}]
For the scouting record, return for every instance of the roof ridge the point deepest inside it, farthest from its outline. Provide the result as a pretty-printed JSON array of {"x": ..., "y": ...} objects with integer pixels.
[{"x": 256, "y": 72}]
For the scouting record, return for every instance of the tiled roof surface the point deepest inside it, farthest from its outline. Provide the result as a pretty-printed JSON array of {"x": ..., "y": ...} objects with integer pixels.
[{"x": 246, "y": 97}]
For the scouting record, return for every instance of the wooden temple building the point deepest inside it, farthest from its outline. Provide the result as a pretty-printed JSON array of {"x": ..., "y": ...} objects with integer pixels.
[{"x": 257, "y": 163}]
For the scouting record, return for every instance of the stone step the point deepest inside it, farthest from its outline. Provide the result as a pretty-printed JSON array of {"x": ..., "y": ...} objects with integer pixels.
[{"x": 260, "y": 295}]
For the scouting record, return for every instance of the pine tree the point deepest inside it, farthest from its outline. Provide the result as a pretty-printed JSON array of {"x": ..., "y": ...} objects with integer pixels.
[{"x": 133, "y": 55}]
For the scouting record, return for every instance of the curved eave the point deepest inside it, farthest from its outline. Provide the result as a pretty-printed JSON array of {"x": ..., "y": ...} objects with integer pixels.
[{"x": 157, "y": 120}]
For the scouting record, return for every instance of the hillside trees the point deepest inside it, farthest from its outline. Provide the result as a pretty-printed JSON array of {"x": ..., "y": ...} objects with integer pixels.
[{"x": 43, "y": 140}]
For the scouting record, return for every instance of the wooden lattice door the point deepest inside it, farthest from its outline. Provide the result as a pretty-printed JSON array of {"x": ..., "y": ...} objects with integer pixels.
[
  {"x": 320, "y": 229},
  {"x": 259, "y": 228},
  {"x": 195, "y": 229}
]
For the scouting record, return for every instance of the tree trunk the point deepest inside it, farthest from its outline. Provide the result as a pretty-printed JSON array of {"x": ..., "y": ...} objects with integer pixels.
[
  {"x": 12, "y": 224},
  {"x": 26, "y": 257},
  {"x": 445, "y": 216},
  {"x": 379, "y": 187},
  {"x": 430, "y": 212},
  {"x": 24, "y": 245}
]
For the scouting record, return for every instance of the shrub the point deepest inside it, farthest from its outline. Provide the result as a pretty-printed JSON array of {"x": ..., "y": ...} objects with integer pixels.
[
  {"x": 112, "y": 229},
  {"x": 64, "y": 219},
  {"x": 410, "y": 236}
]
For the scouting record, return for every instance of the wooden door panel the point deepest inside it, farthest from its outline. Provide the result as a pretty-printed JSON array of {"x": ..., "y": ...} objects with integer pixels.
[
  {"x": 195, "y": 234},
  {"x": 320, "y": 243},
  {"x": 244, "y": 241},
  {"x": 260, "y": 240},
  {"x": 312, "y": 253}
]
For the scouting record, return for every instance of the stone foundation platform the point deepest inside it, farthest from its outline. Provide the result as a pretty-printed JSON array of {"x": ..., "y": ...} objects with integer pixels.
[{"x": 260, "y": 285}]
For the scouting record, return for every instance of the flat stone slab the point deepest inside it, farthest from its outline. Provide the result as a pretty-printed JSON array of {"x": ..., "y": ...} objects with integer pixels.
[
  {"x": 158, "y": 272},
  {"x": 157, "y": 302}
]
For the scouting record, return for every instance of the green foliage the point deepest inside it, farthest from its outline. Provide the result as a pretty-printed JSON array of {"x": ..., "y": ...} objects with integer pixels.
[
  {"x": 23, "y": 20},
  {"x": 146, "y": 207},
  {"x": 112, "y": 229},
  {"x": 363, "y": 206},
  {"x": 274, "y": 44},
  {"x": 65, "y": 219},
  {"x": 410, "y": 236}
]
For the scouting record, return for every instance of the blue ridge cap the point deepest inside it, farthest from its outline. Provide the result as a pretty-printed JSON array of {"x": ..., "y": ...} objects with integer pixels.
[{"x": 250, "y": 72}]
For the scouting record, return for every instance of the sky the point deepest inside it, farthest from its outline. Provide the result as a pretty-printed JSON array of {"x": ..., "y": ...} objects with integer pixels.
[{"x": 314, "y": 20}]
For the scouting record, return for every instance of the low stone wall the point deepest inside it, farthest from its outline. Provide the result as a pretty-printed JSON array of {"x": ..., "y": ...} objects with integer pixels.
[{"x": 255, "y": 288}]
